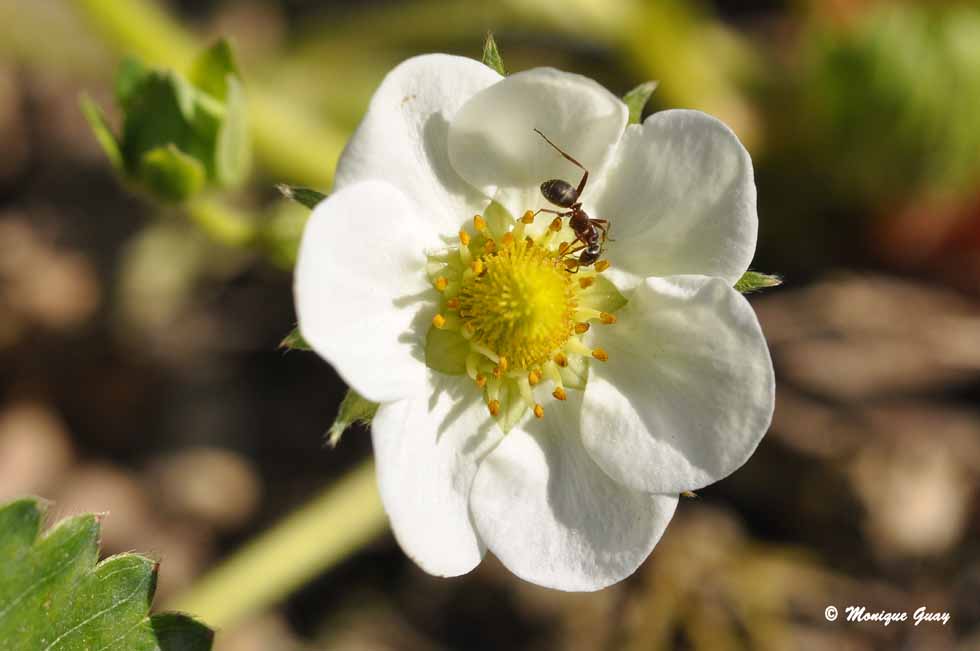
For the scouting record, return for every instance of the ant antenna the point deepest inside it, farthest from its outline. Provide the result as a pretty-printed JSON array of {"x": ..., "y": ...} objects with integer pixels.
[{"x": 560, "y": 151}]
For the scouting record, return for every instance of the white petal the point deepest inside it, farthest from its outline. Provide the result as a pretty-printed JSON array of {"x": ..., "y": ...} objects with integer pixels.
[
  {"x": 427, "y": 450},
  {"x": 493, "y": 146},
  {"x": 361, "y": 290},
  {"x": 402, "y": 139},
  {"x": 687, "y": 393},
  {"x": 680, "y": 197},
  {"x": 553, "y": 517}
]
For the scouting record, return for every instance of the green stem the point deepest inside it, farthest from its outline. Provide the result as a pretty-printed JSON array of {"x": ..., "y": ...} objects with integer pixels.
[
  {"x": 311, "y": 540},
  {"x": 221, "y": 223},
  {"x": 290, "y": 143}
]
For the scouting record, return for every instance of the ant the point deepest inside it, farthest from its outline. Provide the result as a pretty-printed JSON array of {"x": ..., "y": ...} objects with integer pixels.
[{"x": 590, "y": 233}]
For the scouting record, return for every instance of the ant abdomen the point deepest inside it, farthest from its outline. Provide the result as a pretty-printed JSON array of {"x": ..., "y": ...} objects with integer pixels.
[{"x": 561, "y": 193}]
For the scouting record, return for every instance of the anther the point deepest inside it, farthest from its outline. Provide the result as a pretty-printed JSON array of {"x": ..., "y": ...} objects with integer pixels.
[
  {"x": 561, "y": 360},
  {"x": 453, "y": 304},
  {"x": 601, "y": 265},
  {"x": 528, "y": 217},
  {"x": 494, "y": 407},
  {"x": 586, "y": 282},
  {"x": 439, "y": 321},
  {"x": 441, "y": 283},
  {"x": 555, "y": 224},
  {"x": 538, "y": 411},
  {"x": 477, "y": 267},
  {"x": 529, "y": 240},
  {"x": 507, "y": 239},
  {"x": 498, "y": 372},
  {"x": 600, "y": 355},
  {"x": 490, "y": 246},
  {"x": 580, "y": 328},
  {"x": 479, "y": 223},
  {"x": 562, "y": 248},
  {"x": 464, "y": 238},
  {"x": 533, "y": 377},
  {"x": 503, "y": 363},
  {"x": 481, "y": 380},
  {"x": 559, "y": 393},
  {"x": 607, "y": 318}
]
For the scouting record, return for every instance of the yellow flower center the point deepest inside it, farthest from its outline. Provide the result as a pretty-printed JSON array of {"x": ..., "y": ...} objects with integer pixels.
[
  {"x": 522, "y": 305},
  {"x": 513, "y": 312}
]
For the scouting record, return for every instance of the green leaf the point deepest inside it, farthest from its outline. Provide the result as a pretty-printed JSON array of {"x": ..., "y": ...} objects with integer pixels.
[
  {"x": 353, "y": 409},
  {"x": 294, "y": 341},
  {"x": 97, "y": 122},
  {"x": 232, "y": 152},
  {"x": 54, "y": 597},
  {"x": 753, "y": 281},
  {"x": 446, "y": 351},
  {"x": 171, "y": 174},
  {"x": 491, "y": 55},
  {"x": 636, "y": 100},
  {"x": 131, "y": 74},
  {"x": 213, "y": 70},
  {"x": 305, "y": 196}
]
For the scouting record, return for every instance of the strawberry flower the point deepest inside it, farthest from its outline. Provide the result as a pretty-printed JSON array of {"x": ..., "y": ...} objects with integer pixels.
[{"x": 546, "y": 410}]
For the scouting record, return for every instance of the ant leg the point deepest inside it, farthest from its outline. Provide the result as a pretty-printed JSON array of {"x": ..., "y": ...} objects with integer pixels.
[
  {"x": 602, "y": 225},
  {"x": 585, "y": 177}
]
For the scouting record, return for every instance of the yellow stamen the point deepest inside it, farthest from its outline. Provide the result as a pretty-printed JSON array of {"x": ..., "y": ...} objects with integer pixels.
[
  {"x": 559, "y": 393},
  {"x": 507, "y": 239},
  {"x": 581, "y": 328},
  {"x": 561, "y": 360},
  {"x": 481, "y": 380},
  {"x": 452, "y": 304},
  {"x": 464, "y": 238},
  {"x": 533, "y": 377},
  {"x": 607, "y": 318},
  {"x": 490, "y": 247},
  {"x": 528, "y": 217},
  {"x": 555, "y": 224},
  {"x": 600, "y": 355},
  {"x": 601, "y": 265},
  {"x": 494, "y": 407},
  {"x": 442, "y": 283},
  {"x": 477, "y": 267},
  {"x": 479, "y": 223},
  {"x": 586, "y": 282},
  {"x": 538, "y": 411},
  {"x": 502, "y": 363},
  {"x": 439, "y": 321}
]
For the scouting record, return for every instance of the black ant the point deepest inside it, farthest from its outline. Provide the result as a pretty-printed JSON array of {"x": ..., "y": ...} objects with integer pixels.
[{"x": 590, "y": 233}]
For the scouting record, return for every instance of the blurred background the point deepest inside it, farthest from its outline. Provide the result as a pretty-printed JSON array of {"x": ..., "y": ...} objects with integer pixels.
[{"x": 139, "y": 365}]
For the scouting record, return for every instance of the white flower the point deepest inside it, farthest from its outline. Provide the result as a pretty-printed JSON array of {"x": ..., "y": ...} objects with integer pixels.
[{"x": 394, "y": 281}]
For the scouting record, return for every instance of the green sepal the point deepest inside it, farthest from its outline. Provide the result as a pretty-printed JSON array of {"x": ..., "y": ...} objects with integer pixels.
[
  {"x": 636, "y": 100},
  {"x": 353, "y": 410},
  {"x": 53, "y": 594},
  {"x": 491, "y": 55},
  {"x": 446, "y": 351},
  {"x": 294, "y": 341},
  {"x": 171, "y": 174},
  {"x": 100, "y": 127},
  {"x": 753, "y": 281},
  {"x": 602, "y": 295},
  {"x": 305, "y": 196}
]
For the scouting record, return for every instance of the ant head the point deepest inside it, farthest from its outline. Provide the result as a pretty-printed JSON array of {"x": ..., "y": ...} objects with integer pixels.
[{"x": 561, "y": 193}]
